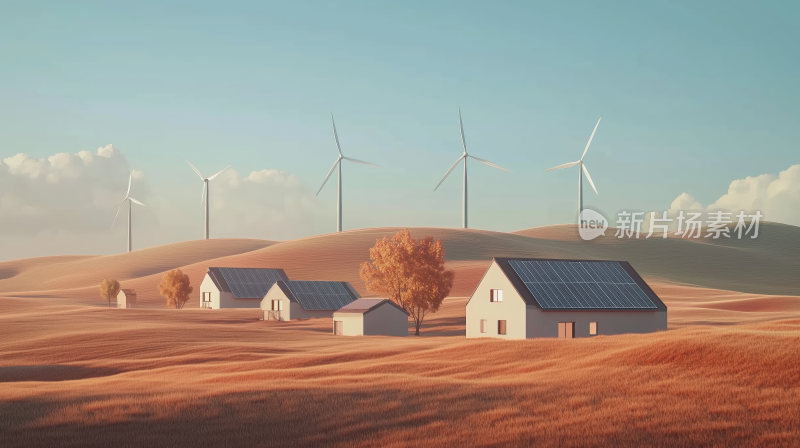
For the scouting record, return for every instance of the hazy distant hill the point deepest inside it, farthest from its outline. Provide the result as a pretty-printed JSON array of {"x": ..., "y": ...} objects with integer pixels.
[{"x": 767, "y": 265}]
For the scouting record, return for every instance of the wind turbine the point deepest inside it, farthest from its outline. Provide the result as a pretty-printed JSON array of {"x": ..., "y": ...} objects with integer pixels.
[
  {"x": 464, "y": 156},
  {"x": 204, "y": 197},
  {"x": 581, "y": 170},
  {"x": 131, "y": 200},
  {"x": 338, "y": 164}
]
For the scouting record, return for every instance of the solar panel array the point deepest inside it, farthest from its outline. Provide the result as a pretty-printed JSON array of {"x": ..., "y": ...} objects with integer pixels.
[
  {"x": 251, "y": 283},
  {"x": 561, "y": 284},
  {"x": 312, "y": 295}
]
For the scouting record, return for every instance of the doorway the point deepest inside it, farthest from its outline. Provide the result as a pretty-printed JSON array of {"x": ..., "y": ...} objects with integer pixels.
[
  {"x": 566, "y": 330},
  {"x": 337, "y": 327}
]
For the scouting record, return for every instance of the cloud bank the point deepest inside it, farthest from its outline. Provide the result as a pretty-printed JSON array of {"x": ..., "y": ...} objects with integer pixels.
[
  {"x": 64, "y": 192},
  {"x": 776, "y": 196},
  {"x": 65, "y": 203}
]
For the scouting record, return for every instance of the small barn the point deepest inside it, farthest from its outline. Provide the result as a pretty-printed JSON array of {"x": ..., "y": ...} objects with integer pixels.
[
  {"x": 126, "y": 298},
  {"x": 520, "y": 298},
  {"x": 224, "y": 287},
  {"x": 302, "y": 299},
  {"x": 366, "y": 317}
]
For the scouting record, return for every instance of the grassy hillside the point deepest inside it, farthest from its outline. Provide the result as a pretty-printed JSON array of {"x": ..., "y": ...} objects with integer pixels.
[
  {"x": 163, "y": 377},
  {"x": 767, "y": 265}
]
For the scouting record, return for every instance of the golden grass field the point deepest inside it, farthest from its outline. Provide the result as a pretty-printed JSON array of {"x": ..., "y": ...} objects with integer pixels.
[{"x": 726, "y": 373}]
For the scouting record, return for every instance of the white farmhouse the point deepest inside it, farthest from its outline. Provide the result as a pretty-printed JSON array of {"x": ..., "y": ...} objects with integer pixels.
[
  {"x": 522, "y": 298},
  {"x": 237, "y": 287},
  {"x": 365, "y": 317},
  {"x": 126, "y": 298},
  {"x": 302, "y": 299}
]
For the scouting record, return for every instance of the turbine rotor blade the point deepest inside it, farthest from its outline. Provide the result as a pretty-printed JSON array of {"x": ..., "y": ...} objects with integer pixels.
[
  {"x": 130, "y": 181},
  {"x": 136, "y": 201},
  {"x": 218, "y": 173},
  {"x": 488, "y": 163},
  {"x": 585, "y": 150},
  {"x": 328, "y": 176},
  {"x": 589, "y": 178},
  {"x": 455, "y": 164},
  {"x": 116, "y": 215},
  {"x": 564, "y": 165},
  {"x": 360, "y": 161},
  {"x": 205, "y": 192},
  {"x": 336, "y": 136},
  {"x": 461, "y": 125},
  {"x": 194, "y": 168}
]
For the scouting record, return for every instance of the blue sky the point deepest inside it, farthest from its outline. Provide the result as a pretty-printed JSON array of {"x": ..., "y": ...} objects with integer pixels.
[{"x": 693, "y": 95}]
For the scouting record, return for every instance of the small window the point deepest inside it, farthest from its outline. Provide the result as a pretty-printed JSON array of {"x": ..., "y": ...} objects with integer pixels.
[
  {"x": 501, "y": 327},
  {"x": 483, "y": 325},
  {"x": 495, "y": 295},
  {"x": 592, "y": 328}
]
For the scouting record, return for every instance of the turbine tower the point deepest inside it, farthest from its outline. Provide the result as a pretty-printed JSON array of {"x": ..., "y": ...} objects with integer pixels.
[
  {"x": 204, "y": 197},
  {"x": 338, "y": 164},
  {"x": 131, "y": 200},
  {"x": 581, "y": 170},
  {"x": 464, "y": 156}
]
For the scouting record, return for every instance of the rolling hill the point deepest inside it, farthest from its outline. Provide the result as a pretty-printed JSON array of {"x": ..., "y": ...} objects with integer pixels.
[{"x": 767, "y": 265}]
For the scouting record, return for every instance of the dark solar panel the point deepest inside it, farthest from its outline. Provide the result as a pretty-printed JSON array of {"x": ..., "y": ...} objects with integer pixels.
[
  {"x": 251, "y": 283},
  {"x": 563, "y": 284},
  {"x": 313, "y": 295}
]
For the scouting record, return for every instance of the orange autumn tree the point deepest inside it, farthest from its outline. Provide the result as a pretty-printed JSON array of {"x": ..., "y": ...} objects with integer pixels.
[
  {"x": 175, "y": 287},
  {"x": 109, "y": 288},
  {"x": 409, "y": 272}
]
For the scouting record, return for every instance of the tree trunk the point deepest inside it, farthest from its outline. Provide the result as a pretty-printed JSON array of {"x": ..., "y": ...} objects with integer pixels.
[{"x": 417, "y": 324}]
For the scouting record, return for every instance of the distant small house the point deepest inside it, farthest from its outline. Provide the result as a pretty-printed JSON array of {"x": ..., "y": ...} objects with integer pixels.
[
  {"x": 237, "y": 287},
  {"x": 126, "y": 298},
  {"x": 292, "y": 299},
  {"x": 365, "y": 317},
  {"x": 522, "y": 298}
]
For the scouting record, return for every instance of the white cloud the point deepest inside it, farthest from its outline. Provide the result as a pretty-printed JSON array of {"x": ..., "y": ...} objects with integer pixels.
[
  {"x": 63, "y": 191},
  {"x": 266, "y": 203},
  {"x": 684, "y": 202},
  {"x": 65, "y": 203},
  {"x": 775, "y": 196}
]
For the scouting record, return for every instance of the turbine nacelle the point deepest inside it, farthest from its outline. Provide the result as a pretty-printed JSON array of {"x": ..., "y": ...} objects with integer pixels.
[
  {"x": 580, "y": 161},
  {"x": 130, "y": 200},
  {"x": 204, "y": 194},
  {"x": 338, "y": 164},
  {"x": 126, "y": 197},
  {"x": 464, "y": 156},
  {"x": 582, "y": 170}
]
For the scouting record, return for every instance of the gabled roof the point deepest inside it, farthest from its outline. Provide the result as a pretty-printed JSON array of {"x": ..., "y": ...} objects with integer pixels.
[
  {"x": 127, "y": 291},
  {"x": 362, "y": 306},
  {"x": 553, "y": 284},
  {"x": 246, "y": 283},
  {"x": 318, "y": 295}
]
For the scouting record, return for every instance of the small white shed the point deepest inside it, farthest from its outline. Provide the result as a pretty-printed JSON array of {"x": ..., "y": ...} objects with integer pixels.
[
  {"x": 126, "y": 298},
  {"x": 365, "y": 317}
]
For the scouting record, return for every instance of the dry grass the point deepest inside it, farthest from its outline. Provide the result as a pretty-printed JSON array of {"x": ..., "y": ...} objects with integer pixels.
[
  {"x": 86, "y": 376},
  {"x": 726, "y": 373}
]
